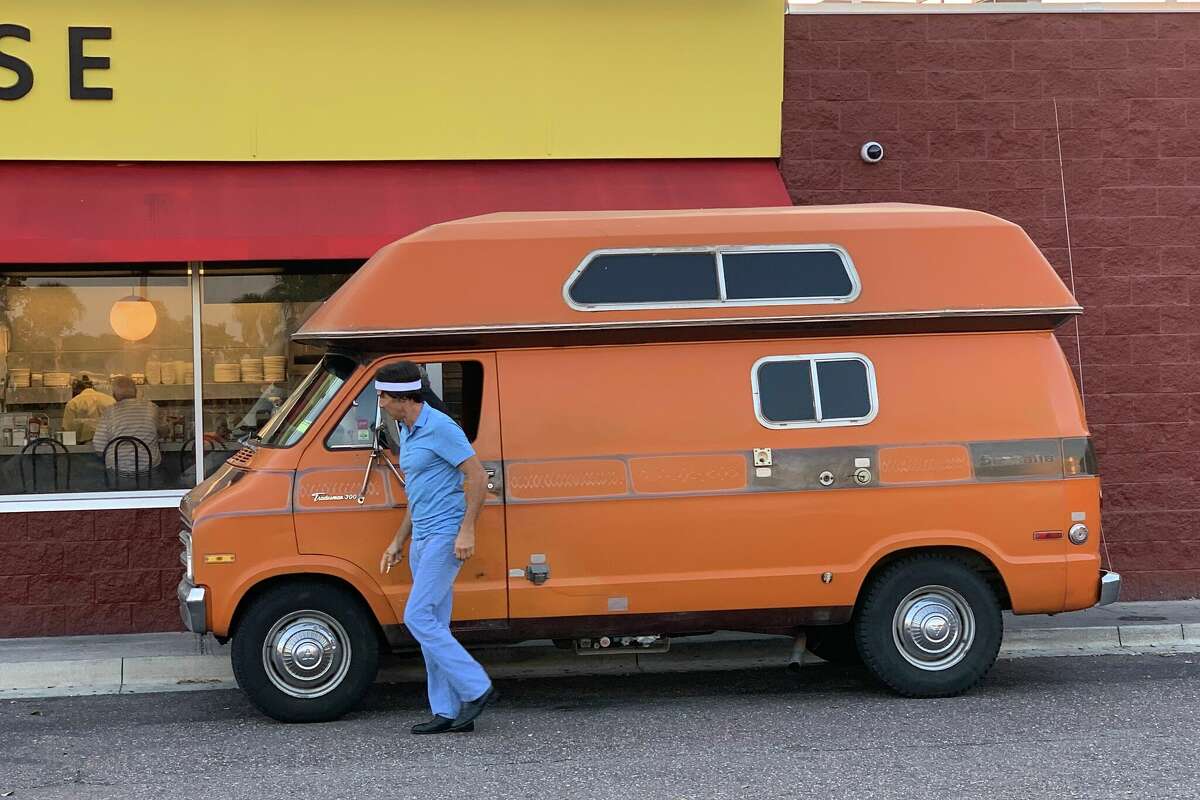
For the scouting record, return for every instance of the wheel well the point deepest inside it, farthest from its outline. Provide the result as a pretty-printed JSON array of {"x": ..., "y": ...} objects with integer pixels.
[
  {"x": 972, "y": 558},
  {"x": 258, "y": 589}
]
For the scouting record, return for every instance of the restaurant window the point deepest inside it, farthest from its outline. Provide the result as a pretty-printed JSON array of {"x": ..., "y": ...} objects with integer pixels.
[
  {"x": 96, "y": 372},
  {"x": 100, "y": 378},
  {"x": 248, "y": 313},
  {"x": 814, "y": 390}
]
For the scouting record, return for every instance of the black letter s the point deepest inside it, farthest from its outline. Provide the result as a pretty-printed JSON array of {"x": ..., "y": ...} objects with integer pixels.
[{"x": 24, "y": 71}]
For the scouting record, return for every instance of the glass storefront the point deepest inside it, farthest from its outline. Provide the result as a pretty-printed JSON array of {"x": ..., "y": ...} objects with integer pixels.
[
  {"x": 248, "y": 313},
  {"x": 101, "y": 375}
]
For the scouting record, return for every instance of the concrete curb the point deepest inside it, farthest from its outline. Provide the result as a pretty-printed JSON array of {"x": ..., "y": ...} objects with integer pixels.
[{"x": 212, "y": 670}]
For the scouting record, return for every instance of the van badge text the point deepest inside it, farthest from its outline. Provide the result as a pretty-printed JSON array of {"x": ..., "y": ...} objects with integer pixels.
[{"x": 321, "y": 497}]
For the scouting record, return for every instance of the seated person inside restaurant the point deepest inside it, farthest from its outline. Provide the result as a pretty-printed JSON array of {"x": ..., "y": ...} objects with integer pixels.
[
  {"x": 84, "y": 409},
  {"x": 129, "y": 416}
]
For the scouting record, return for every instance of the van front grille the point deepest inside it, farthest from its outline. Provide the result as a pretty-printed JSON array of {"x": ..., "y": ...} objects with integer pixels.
[{"x": 242, "y": 457}]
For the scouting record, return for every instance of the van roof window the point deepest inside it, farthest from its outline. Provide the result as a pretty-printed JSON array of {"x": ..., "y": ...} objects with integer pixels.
[
  {"x": 712, "y": 276},
  {"x": 830, "y": 389},
  {"x": 784, "y": 274},
  {"x": 647, "y": 277}
]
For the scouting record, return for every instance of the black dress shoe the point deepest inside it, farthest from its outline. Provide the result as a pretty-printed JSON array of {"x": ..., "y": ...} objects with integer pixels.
[
  {"x": 440, "y": 724},
  {"x": 472, "y": 709}
]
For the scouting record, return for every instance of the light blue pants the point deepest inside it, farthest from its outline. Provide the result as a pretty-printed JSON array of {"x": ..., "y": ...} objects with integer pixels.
[{"x": 452, "y": 674}]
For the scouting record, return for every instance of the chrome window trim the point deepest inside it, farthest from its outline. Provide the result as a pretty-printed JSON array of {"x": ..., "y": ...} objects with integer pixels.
[
  {"x": 722, "y": 291},
  {"x": 563, "y": 327},
  {"x": 91, "y": 501},
  {"x": 718, "y": 251},
  {"x": 813, "y": 359}
]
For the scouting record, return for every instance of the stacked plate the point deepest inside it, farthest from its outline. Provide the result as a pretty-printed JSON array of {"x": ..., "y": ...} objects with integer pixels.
[
  {"x": 189, "y": 376},
  {"x": 252, "y": 370},
  {"x": 274, "y": 368},
  {"x": 57, "y": 380},
  {"x": 226, "y": 373},
  {"x": 18, "y": 377}
]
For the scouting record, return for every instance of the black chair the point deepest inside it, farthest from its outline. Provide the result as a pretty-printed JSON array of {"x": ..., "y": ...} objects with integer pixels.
[
  {"x": 189, "y": 446},
  {"x": 38, "y": 451},
  {"x": 113, "y": 475}
]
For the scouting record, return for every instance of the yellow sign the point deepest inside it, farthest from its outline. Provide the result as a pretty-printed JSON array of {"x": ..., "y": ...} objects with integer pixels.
[{"x": 280, "y": 80}]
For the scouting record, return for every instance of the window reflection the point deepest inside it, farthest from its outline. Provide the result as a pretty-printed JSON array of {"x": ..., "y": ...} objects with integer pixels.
[
  {"x": 251, "y": 366},
  {"x": 95, "y": 368}
]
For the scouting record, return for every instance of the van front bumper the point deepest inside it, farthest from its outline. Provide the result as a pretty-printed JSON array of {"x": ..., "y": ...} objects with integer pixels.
[
  {"x": 1110, "y": 587},
  {"x": 193, "y": 606}
]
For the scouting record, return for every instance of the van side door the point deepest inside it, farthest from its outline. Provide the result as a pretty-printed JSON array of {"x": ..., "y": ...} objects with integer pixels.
[{"x": 330, "y": 520}]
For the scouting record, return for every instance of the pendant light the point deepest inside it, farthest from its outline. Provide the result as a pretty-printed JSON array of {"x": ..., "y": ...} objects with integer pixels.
[{"x": 133, "y": 317}]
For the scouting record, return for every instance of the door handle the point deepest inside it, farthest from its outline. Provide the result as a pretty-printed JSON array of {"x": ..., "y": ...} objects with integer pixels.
[{"x": 537, "y": 574}]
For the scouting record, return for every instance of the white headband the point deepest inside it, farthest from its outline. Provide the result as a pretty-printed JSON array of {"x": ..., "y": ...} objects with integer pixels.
[{"x": 409, "y": 386}]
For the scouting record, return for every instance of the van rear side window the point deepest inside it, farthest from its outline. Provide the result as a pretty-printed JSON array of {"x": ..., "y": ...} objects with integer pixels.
[{"x": 814, "y": 390}]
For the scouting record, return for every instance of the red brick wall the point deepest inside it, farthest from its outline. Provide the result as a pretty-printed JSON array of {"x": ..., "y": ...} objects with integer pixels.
[
  {"x": 68, "y": 572},
  {"x": 965, "y": 107}
]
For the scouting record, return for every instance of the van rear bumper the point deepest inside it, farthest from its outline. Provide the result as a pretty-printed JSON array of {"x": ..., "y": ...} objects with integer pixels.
[
  {"x": 193, "y": 606},
  {"x": 1110, "y": 587}
]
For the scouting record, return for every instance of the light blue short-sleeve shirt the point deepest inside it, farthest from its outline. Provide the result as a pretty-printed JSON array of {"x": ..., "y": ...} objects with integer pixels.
[{"x": 431, "y": 452}]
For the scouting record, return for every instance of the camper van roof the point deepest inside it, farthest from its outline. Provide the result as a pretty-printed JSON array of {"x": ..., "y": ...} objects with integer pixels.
[{"x": 579, "y": 274}]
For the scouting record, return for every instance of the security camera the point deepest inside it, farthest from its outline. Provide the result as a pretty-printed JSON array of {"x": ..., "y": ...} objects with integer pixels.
[{"x": 872, "y": 152}]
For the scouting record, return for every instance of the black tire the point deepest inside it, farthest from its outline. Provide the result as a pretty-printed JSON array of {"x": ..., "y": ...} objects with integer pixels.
[
  {"x": 938, "y": 584},
  {"x": 834, "y": 643},
  {"x": 311, "y": 614}
]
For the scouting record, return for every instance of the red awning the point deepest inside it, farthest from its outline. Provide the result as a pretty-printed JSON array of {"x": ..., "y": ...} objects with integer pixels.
[{"x": 84, "y": 212}]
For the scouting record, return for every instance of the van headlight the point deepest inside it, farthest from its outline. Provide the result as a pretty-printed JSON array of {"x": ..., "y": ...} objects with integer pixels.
[{"x": 1078, "y": 533}]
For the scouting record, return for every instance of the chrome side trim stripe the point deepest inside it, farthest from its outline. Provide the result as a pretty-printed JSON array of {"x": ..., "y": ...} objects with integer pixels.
[{"x": 952, "y": 313}]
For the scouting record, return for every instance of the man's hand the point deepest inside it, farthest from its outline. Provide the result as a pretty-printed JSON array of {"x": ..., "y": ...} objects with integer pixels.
[
  {"x": 464, "y": 543},
  {"x": 392, "y": 556}
]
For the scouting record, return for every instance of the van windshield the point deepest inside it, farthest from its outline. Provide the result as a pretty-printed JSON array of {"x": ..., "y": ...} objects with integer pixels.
[{"x": 293, "y": 419}]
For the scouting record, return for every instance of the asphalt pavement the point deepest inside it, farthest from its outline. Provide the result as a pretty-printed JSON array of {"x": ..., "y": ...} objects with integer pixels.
[{"x": 1081, "y": 727}]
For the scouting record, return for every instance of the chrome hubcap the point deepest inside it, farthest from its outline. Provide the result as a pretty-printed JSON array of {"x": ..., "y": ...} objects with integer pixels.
[
  {"x": 933, "y": 628},
  {"x": 306, "y": 654}
]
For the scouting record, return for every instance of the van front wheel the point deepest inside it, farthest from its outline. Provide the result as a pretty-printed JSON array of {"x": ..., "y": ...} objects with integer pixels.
[
  {"x": 929, "y": 626},
  {"x": 305, "y": 652}
]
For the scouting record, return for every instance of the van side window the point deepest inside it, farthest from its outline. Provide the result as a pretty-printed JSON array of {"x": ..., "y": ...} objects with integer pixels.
[
  {"x": 458, "y": 384},
  {"x": 758, "y": 275},
  {"x": 814, "y": 390},
  {"x": 713, "y": 276},
  {"x": 635, "y": 278}
]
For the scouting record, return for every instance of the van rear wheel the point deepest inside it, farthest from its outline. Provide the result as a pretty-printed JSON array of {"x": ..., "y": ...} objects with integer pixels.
[
  {"x": 305, "y": 652},
  {"x": 929, "y": 626}
]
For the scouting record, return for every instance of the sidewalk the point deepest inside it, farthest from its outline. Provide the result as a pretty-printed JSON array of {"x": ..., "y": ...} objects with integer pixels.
[{"x": 158, "y": 662}]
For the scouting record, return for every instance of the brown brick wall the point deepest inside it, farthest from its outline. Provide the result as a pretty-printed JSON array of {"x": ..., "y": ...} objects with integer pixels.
[
  {"x": 74, "y": 572},
  {"x": 965, "y": 107}
]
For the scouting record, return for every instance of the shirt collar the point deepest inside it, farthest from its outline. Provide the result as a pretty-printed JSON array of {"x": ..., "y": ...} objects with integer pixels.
[{"x": 422, "y": 418}]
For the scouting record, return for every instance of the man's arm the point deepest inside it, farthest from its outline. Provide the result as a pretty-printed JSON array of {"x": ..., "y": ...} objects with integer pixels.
[
  {"x": 68, "y": 423},
  {"x": 101, "y": 436},
  {"x": 475, "y": 489},
  {"x": 395, "y": 551}
]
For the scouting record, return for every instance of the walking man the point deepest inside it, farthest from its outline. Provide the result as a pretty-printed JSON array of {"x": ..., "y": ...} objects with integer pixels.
[{"x": 446, "y": 486}]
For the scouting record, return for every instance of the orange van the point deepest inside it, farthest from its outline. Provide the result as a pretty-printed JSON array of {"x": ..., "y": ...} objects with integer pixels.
[{"x": 852, "y": 424}]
